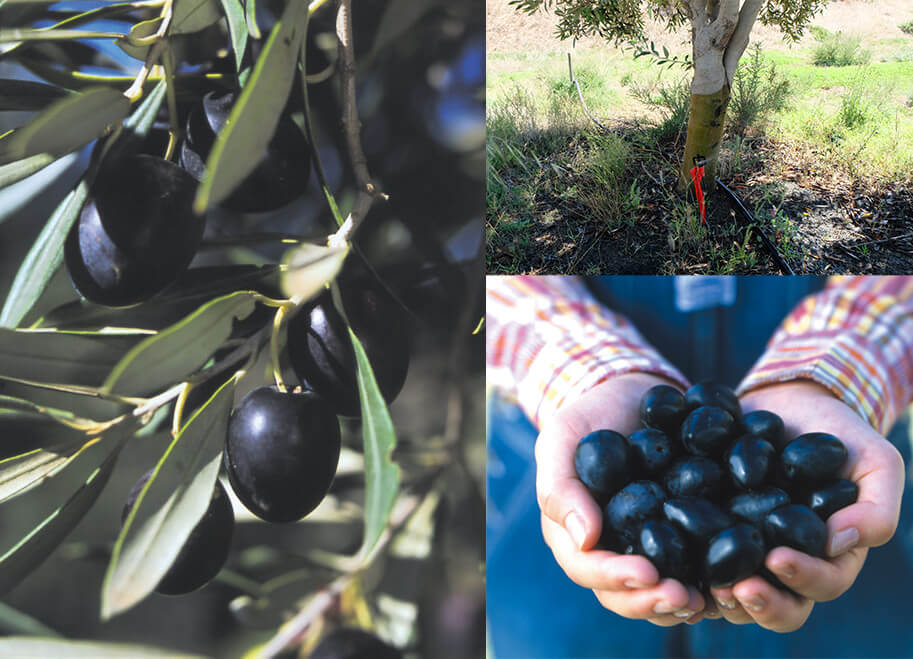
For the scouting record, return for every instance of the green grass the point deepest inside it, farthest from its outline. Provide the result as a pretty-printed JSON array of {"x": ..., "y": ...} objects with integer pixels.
[{"x": 838, "y": 49}]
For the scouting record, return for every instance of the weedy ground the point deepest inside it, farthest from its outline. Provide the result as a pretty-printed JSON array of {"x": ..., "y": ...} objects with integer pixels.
[{"x": 822, "y": 154}]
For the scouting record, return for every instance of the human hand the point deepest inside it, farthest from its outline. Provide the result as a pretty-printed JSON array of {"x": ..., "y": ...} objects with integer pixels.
[
  {"x": 873, "y": 464},
  {"x": 572, "y": 520}
]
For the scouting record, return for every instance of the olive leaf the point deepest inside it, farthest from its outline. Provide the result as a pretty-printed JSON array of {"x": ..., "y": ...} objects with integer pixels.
[
  {"x": 13, "y": 199},
  {"x": 14, "y": 621},
  {"x": 237, "y": 29},
  {"x": 174, "y": 353},
  {"x": 142, "y": 30},
  {"x": 84, "y": 404},
  {"x": 62, "y": 500},
  {"x": 27, "y": 95},
  {"x": 308, "y": 268},
  {"x": 39, "y": 648},
  {"x": 241, "y": 145},
  {"x": 193, "y": 15},
  {"x": 59, "y": 357},
  {"x": 20, "y": 169},
  {"x": 45, "y": 255},
  {"x": 21, "y": 473},
  {"x": 68, "y": 124},
  {"x": 382, "y": 475},
  {"x": 169, "y": 506},
  {"x": 250, "y": 15}
]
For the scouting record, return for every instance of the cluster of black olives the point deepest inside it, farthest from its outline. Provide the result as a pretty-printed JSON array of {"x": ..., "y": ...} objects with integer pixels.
[
  {"x": 137, "y": 231},
  {"x": 704, "y": 492},
  {"x": 282, "y": 447}
]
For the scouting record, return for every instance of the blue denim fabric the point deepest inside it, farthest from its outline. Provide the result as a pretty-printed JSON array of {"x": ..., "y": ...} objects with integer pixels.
[{"x": 535, "y": 611}]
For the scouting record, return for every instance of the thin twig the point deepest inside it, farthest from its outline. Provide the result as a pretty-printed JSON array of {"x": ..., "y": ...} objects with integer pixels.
[
  {"x": 366, "y": 192},
  {"x": 883, "y": 240}
]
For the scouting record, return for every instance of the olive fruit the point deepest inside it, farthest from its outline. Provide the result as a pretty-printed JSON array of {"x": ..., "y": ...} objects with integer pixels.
[
  {"x": 796, "y": 526},
  {"x": 732, "y": 555},
  {"x": 353, "y": 643},
  {"x": 282, "y": 173},
  {"x": 707, "y": 431},
  {"x": 321, "y": 351},
  {"x": 695, "y": 476},
  {"x": 663, "y": 408},
  {"x": 749, "y": 461},
  {"x": 754, "y": 506},
  {"x": 281, "y": 452},
  {"x": 652, "y": 450},
  {"x": 698, "y": 518},
  {"x": 666, "y": 548},
  {"x": 206, "y": 549},
  {"x": 828, "y": 500},
  {"x": 711, "y": 394},
  {"x": 632, "y": 506},
  {"x": 135, "y": 234},
  {"x": 602, "y": 462},
  {"x": 765, "y": 425},
  {"x": 814, "y": 457}
]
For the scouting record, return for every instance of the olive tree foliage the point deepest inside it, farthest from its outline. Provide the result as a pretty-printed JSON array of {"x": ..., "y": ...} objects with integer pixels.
[{"x": 720, "y": 32}]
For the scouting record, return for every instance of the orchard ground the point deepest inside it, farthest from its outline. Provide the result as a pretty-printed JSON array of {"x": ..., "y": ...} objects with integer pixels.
[{"x": 828, "y": 174}]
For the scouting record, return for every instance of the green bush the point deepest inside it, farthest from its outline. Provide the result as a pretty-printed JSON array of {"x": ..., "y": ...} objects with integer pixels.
[
  {"x": 855, "y": 109},
  {"x": 907, "y": 27},
  {"x": 838, "y": 49},
  {"x": 757, "y": 91},
  {"x": 672, "y": 100}
]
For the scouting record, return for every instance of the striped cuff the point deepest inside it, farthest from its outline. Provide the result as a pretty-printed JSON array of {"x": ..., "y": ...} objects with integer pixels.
[
  {"x": 856, "y": 339},
  {"x": 550, "y": 341}
]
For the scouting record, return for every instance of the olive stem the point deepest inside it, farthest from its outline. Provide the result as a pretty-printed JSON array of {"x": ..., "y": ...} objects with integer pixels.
[
  {"x": 179, "y": 409},
  {"x": 278, "y": 319},
  {"x": 135, "y": 91},
  {"x": 366, "y": 190}
]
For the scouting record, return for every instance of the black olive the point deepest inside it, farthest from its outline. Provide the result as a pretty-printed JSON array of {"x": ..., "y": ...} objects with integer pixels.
[
  {"x": 666, "y": 548},
  {"x": 828, "y": 500},
  {"x": 602, "y": 460},
  {"x": 663, "y": 408},
  {"x": 749, "y": 461},
  {"x": 652, "y": 450},
  {"x": 753, "y": 507},
  {"x": 766, "y": 425},
  {"x": 733, "y": 554},
  {"x": 698, "y": 518},
  {"x": 632, "y": 506},
  {"x": 798, "y": 527},
  {"x": 814, "y": 457},
  {"x": 711, "y": 394},
  {"x": 707, "y": 431},
  {"x": 695, "y": 476}
]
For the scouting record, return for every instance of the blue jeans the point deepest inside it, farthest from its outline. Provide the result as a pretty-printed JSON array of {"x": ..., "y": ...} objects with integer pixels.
[{"x": 534, "y": 610}]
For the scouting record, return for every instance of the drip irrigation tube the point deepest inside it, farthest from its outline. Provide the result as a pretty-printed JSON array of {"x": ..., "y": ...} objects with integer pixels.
[{"x": 768, "y": 243}]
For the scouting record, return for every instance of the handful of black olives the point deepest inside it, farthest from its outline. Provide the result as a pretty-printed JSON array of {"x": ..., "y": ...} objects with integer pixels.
[{"x": 705, "y": 492}]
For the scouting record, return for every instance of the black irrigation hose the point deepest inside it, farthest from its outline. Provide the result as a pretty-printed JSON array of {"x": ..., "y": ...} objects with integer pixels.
[{"x": 784, "y": 266}]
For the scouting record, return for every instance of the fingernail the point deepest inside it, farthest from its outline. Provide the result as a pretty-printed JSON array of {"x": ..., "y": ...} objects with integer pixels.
[
  {"x": 634, "y": 583},
  {"x": 575, "y": 527},
  {"x": 786, "y": 571},
  {"x": 663, "y": 607},
  {"x": 754, "y": 604},
  {"x": 684, "y": 613},
  {"x": 843, "y": 541},
  {"x": 727, "y": 604}
]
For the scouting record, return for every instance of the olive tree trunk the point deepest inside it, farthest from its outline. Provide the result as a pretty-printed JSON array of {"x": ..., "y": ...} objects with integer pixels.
[{"x": 720, "y": 31}]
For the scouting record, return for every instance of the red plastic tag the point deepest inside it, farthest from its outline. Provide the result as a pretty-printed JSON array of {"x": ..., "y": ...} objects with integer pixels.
[{"x": 697, "y": 173}]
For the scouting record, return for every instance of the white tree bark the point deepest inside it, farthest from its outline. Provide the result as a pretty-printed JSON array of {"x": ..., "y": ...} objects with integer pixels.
[{"x": 719, "y": 40}]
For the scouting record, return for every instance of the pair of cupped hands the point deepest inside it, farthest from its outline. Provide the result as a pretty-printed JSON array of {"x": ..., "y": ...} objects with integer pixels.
[{"x": 630, "y": 586}]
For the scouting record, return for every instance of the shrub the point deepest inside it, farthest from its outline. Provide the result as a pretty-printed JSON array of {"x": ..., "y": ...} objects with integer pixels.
[
  {"x": 757, "y": 91},
  {"x": 907, "y": 27},
  {"x": 672, "y": 100},
  {"x": 838, "y": 49}
]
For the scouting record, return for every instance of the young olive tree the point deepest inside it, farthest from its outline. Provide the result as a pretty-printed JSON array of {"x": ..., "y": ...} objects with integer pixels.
[{"x": 720, "y": 32}]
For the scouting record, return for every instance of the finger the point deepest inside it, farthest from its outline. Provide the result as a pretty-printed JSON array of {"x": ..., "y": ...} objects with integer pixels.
[
  {"x": 562, "y": 496},
  {"x": 771, "y": 608},
  {"x": 669, "y": 601},
  {"x": 729, "y": 606},
  {"x": 879, "y": 472},
  {"x": 814, "y": 578},
  {"x": 597, "y": 569}
]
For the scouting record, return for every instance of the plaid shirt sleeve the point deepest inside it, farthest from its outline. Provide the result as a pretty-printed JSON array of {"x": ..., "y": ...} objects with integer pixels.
[
  {"x": 855, "y": 338},
  {"x": 548, "y": 341}
]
